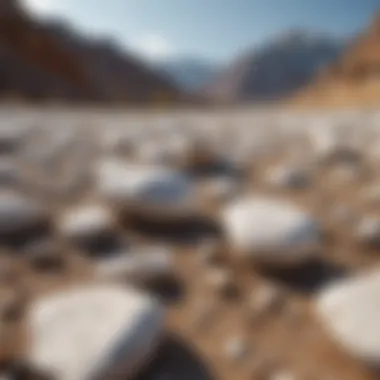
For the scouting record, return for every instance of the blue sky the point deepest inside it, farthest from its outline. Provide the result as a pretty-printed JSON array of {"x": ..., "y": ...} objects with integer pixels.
[{"x": 214, "y": 30}]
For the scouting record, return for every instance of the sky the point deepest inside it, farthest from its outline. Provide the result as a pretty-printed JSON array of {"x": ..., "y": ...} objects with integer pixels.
[{"x": 211, "y": 30}]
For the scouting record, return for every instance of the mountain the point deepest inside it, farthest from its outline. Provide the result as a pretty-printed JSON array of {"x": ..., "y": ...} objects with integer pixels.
[
  {"x": 31, "y": 64},
  {"x": 275, "y": 69},
  {"x": 117, "y": 75},
  {"x": 353, "y": 78},
  {"x": 188, "y": 73},
  {"x": 48, "y": 60}
]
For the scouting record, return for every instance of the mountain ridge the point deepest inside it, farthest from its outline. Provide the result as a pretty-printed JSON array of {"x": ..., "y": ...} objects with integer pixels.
[{"x": 275, "y": 69}]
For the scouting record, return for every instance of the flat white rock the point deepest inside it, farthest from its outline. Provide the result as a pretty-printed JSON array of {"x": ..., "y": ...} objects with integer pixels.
[
  {"x": 141, "y": 267},
  {"x": 99, "y": 332},
  {"x": 264, "y": 299},
  {"x": 147, "y": 188},
  {"x": 350, "y": 312},
  {"x": 85, "y": 222},
  {"x": 270, "y": 230}
]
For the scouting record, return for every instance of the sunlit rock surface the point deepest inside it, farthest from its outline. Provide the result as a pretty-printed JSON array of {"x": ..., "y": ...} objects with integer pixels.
[
  {"x": 271, "y": 231},
  {"x": 94, "y": 332},
  {"x": 145, "y": 188},
  {"x": 350, "y": 312}
]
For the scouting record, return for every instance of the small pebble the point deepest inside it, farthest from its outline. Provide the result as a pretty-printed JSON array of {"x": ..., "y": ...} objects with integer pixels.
[
  {"x": 265, "y": 299},
  {"x": 44, "y": 256},
  {"x": 222, "y": 281},
  {"x": 236, "y": 349},
  {"x": 85, "y": 223}
]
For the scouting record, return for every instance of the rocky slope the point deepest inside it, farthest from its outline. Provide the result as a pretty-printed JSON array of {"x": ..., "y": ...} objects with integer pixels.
[
  {"x": 352, "y": 79},
  {"x": 274, "y": 70},
  {"x": 48, "y": 61}
]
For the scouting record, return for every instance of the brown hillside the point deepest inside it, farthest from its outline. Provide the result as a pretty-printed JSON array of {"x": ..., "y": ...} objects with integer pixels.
[
  {"x": 354, "y": 78},
  {"x": 29, "y": 53},
  {"x": 40, "y": 60}
]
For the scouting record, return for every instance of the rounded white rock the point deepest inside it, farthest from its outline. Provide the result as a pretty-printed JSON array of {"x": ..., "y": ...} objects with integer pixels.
[
  {"x": 93, "y": 332},
  {"x": 270, "y": 231},
  {"x": 350, "y": 311},
  {"x": 85, "y": 222},
  {"x": 149, "y": 265},
  {"x": 147, "y": 189}
]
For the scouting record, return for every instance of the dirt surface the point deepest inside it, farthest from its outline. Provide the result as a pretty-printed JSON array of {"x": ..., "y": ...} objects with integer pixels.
[{"x": 200, "y": 321}]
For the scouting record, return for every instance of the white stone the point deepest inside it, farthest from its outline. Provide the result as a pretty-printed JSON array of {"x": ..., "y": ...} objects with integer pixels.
[
  {"x": 19, "y": 213},
  {"x": 270, "y": 230},
  {"x": 264, "y": 298},
  {"x": 221, "y": 280},
  {"x": 350, "y": 311},
  {"x": 236, "y": 349},
  {"x": 85, "y": 222},
  {"x": 93, "y": 332},
  {"x": 148, "y": 189},
  {"x": 144, "y": 266}
]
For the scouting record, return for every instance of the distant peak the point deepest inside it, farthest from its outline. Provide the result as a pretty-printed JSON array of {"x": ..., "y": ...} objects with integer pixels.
[{"x": 299, "y": 36}]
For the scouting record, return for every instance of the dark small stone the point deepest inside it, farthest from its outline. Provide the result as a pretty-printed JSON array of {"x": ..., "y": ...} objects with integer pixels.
[
  {"x": 44, "y": 256},
  {"x": 13, "y": 313},
  {"x": 44, "y": 262}
]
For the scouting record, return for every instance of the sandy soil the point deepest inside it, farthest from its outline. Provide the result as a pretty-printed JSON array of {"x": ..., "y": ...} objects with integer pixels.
[{"x": 285, "y": 338}]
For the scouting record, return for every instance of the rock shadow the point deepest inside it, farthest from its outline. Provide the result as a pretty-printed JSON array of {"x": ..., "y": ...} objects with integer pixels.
[
  {"x": 176, "y": 360},
  {"x": 168, "y": 291},
  {"x": 103, "y": 245},
  {"x": 20, "y": 240},
  {"x": 185, "y": 230},
  {"x": 308, "y": 277},
  {"x": 217, "y": 169}
]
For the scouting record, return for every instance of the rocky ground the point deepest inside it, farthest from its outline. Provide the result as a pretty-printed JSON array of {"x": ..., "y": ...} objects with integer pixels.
[{"x": 189, "y": 245}]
